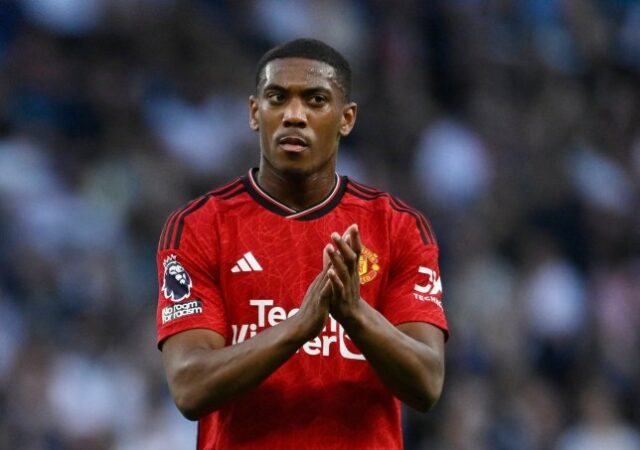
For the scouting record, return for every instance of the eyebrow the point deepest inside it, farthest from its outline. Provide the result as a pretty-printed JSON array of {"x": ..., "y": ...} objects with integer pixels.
[{"x": 309, "y": 90}]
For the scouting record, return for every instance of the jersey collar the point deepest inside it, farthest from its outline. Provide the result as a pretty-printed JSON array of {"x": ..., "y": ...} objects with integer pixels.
[{"x": 273, "y": 205}]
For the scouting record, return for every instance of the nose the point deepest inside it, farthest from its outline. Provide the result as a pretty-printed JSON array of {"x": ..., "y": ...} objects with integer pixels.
[{"x": 295, "y": 114}]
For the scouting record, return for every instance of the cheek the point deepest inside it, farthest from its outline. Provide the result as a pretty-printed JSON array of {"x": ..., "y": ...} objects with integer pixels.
[
  {"x": 326, "y": 122},
  {"x": 265, "y": 137},
  {"x": 331, "y": 130},
  {"x": 268, "y": 124}
]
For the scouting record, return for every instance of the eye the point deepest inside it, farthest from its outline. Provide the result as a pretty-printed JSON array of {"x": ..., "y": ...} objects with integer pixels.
[
  {"x": 317, "y": 100},
  {"x": 275, "y": 97}
]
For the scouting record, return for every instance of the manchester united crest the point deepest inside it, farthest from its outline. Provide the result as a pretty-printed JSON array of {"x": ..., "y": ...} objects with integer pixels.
[{"x": 368, "y": 266}]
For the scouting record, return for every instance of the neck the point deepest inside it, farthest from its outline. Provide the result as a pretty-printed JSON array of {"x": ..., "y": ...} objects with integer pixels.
[{"x": 296, "y": 190}]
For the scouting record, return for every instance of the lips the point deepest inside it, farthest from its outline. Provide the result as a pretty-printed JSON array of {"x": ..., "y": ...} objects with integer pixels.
[{"x": 293, "y": 143}]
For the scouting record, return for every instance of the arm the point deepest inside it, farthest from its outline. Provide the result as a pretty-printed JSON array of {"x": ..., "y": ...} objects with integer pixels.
[
  {"x": 409, "y": 358},
  {"x": 203, "y": 374}
]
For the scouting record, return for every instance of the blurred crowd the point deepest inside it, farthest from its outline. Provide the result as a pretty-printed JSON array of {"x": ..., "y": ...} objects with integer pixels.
[{"x": 513, "y": 124}]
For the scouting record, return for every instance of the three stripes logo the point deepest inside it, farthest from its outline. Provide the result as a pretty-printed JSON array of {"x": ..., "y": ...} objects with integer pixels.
[{"x": 248, "y": 263}]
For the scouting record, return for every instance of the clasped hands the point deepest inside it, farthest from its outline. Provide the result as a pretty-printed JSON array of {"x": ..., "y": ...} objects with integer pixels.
[{"x": 336, "y": 289}]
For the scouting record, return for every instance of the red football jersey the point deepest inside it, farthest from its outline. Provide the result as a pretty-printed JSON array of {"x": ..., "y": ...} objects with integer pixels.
[{"x": 237, "y": 261}]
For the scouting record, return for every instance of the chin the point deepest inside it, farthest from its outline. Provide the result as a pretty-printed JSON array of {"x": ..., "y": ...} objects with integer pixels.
[
  {"x": 296, "y": 172},
  {"x": 297, "y": 168}
]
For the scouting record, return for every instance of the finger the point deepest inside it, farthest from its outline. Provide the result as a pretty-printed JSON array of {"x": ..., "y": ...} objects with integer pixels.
[
  {"x": 326, "y": 259},
  {"x": 336, "y": 282},
  {"x": 327, "y": 290},
  {"x": 354, "y": 239},
  {"x": 346, "y": 237},
  {"x": 349, "y": 256},
  {"x": 338, "y": 264},
  {"x": 315, "y": 282},
  {"x": 319, "y": 279}
]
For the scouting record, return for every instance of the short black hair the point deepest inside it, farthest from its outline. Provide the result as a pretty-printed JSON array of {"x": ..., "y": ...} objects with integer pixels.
[{"x": 310, "y": 49}]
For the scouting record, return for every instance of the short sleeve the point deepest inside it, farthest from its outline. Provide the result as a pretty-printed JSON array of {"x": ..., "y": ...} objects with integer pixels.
[
  {"x": 414, "y": 288},
  {"x": 189, "y": 295}
]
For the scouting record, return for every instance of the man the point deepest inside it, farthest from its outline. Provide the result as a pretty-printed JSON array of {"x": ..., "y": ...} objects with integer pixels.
[{"x": 297, "y": 306}]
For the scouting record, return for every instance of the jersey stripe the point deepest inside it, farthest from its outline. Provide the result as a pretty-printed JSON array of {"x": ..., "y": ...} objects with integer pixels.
[
  {"x": 417, "y": 214},
  {"x": 195, "y": 207},
  {"x": 239, "y": 190},
  {"x": 400, "y": 206},
  {"x": 364, "y": 188},
  {"x": 225, "y": 188},
  {"x": 425, "y": 221},
  {"x": 231, "y": 189},
  {"x": 422, "y": 223},
  {"x": 174, "y": 218},
  {"x": 423, "y": 234},
  {"x": 163, "y": 235}
]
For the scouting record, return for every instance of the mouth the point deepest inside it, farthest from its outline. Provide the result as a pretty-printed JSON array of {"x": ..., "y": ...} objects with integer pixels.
[{"x": 293, "y": 143}]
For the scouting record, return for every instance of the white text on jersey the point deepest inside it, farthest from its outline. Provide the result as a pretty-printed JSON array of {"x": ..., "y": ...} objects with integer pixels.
[
  {"x": 428, "y": 292},
  {"x": 269, "y": 315}
]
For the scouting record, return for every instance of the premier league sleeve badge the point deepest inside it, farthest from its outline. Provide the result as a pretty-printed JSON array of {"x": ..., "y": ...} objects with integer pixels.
[{"x": 177, "y": 282}]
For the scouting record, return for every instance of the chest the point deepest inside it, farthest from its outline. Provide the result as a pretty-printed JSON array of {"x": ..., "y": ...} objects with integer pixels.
[{"x": 266, "y": 264}]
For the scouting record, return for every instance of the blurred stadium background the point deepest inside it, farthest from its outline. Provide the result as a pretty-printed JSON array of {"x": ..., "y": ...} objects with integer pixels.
[{"x": 513, "y": 124}]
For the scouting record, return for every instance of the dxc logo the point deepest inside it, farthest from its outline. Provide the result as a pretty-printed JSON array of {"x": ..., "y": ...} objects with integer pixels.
[{"x": 433, "y": 286}]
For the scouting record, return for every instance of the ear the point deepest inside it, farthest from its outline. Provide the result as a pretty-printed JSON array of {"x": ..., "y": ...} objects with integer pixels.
[
  {"x": 253, "y": 113},
  {"x": 348, "y": 120}
]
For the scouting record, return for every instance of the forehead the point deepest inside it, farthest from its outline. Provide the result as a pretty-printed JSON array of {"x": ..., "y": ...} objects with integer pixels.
[{"x": 302, "y": 72}]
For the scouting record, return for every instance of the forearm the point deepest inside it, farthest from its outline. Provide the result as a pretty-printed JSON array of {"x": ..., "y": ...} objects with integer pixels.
[
  {"x": 204, "y": 374},
  {"x": 412, "y": 370},
  {"x": 205, "y": 379}
]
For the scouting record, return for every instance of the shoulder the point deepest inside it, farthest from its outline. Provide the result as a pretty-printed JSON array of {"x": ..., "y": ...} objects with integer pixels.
[
  {"x": 200, "y": 210},
  {"x": 402, "y": 216},
  {"x": 211, "y": 202}
]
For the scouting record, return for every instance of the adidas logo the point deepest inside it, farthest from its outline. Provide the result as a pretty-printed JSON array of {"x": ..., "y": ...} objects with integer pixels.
[{"x": 248, "y": 263}]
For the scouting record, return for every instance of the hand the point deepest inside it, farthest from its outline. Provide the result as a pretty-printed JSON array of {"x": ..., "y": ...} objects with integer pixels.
[
  {"x": 314, "y": 310},
  {"x": 343, "y": 273}
]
